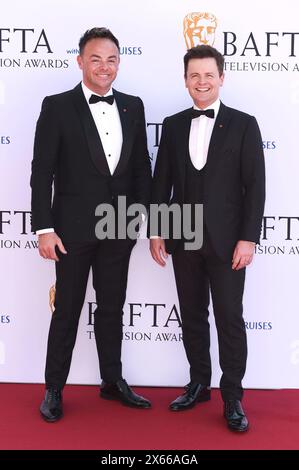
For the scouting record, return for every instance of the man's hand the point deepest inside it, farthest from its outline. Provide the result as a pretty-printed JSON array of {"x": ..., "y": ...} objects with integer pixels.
[
  {"x": 243, "y": 254},
  {"x": 158, "y": 252},
  {"x": 47, "y": 243}
]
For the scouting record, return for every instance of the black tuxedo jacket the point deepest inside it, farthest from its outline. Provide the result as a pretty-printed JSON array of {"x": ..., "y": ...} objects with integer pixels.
[
  {"x": 68, "y": 151},
  {"x": 234, "y": 181}
]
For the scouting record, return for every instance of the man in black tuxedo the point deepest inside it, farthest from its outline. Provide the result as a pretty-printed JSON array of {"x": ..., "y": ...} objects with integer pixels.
[
  {"x": 91, "y": 142},
  {"x": 212, "y": 155}
]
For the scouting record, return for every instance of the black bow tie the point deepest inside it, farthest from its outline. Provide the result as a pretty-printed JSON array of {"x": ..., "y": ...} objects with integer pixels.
[
  {"x": 195, "y": 113},
  {"x": 95, "y": 99}
]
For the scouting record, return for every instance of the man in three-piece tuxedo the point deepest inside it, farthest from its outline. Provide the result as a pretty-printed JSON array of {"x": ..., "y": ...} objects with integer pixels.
[
  {"x": 91, "y": 143},
  {"x": 212, "y": 155}
]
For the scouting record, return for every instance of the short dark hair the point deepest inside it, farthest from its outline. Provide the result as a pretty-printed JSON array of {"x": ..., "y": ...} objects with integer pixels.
[
  {"x": 96, "y": 33},
  {"x": 203, "y": 52}
]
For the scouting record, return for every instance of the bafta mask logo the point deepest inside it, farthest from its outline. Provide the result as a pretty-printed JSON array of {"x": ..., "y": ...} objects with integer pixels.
[
  {"x": 199, "y": 28},
  {"x": 52, "y": 293}
]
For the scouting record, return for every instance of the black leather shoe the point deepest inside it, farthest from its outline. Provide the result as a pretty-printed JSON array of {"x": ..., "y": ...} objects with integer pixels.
[
  {"x": 195, "y": 393},
  {"x": 51, "y": 407},
  {"x": 235, "y": 416},
  {"x": 121, "y": 391}
]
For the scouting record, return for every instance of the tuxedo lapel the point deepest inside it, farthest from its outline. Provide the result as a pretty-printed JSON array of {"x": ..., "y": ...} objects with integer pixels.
[
  {"x": 218, "y": 137},
  {"x": 126, "y": 119},
  {"x": 92, "y": 137},
  {"x": 182, "y": 144}
]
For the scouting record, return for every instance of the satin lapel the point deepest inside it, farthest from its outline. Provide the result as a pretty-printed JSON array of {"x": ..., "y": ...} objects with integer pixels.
[
  {"x": 126, "y": 119},
  {"x": 181, "y": 139},
  {"x": 92, "y": 137},
  {"x": 218, "y": 137}
]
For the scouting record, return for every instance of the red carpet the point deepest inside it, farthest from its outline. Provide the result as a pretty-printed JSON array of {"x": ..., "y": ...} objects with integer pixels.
[{"x": 93, "y": 423}]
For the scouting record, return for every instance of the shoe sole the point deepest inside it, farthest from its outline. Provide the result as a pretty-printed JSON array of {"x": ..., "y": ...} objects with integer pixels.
[
  {"x": 189, "y": 407},
  {"x": 109, "y": 397},
  {"x": 238, "y": 430},
  {"x": 51, "y": 420}
]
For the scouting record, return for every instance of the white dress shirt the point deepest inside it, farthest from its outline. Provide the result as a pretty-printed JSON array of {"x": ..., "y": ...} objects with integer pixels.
[
  {"x": 200, "y": 136},
  {"x": 107, "y": 121}
]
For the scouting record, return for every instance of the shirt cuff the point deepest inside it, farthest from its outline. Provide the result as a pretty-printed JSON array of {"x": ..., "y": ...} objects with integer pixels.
[{"x": 44, "y": 230}]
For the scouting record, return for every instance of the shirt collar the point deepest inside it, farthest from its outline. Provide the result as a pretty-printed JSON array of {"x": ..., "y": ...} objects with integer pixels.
[
  {"x": 215, "y": 106},
  {"x": 87, "y": 92}
]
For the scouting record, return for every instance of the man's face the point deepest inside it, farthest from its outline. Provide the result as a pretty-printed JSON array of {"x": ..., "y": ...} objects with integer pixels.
[
  {"x": 203, "y": 81},
  {"x": 99, "y": 63}
]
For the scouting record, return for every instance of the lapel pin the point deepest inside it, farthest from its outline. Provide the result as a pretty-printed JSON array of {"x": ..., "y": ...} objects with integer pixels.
[
  {"x": 125, "y": 110},
  {"x": 220, "y": 125}
]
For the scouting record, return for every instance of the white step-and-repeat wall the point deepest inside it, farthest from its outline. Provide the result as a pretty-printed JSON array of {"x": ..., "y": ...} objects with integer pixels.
[{"x": 38, "y": 49}]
